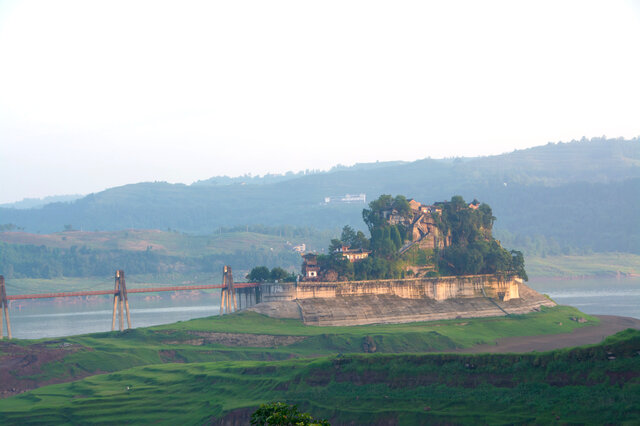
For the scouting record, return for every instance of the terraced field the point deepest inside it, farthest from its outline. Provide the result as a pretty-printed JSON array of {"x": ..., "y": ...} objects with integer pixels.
[{"x": 221, "y": 368}]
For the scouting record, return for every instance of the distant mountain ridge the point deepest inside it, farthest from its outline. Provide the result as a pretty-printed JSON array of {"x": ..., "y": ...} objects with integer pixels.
[
  {"x": 32, "y": 203},
  {"x": 275, "y": 178},
  {"x": 580, "y": 195}
]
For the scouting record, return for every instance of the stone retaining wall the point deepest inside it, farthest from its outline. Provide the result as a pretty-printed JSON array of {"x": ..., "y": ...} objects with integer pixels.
[
  {"x": 398, "y": 301},
  {"x": 495, "y": 287}
]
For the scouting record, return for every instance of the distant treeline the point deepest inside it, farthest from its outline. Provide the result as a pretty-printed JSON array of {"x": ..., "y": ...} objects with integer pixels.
[{"x": 29, "y": 261}]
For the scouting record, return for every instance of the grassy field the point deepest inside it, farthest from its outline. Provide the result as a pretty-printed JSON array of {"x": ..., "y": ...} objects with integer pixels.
[
  {"x": 610, "y": 264},
  {"x": 192, "y": 341},
  {"x": 579, "y": 385}
]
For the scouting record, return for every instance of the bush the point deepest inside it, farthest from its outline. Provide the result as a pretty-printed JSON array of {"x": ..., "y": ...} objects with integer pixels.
[{"x": 279, "y": 413}]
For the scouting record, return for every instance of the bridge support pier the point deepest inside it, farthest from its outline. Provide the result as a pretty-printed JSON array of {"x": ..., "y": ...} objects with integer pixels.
[
  {"x": 4, "y": 308},
  {"x": 228, "y": 292},
  {"x": 120, "y": 302}
]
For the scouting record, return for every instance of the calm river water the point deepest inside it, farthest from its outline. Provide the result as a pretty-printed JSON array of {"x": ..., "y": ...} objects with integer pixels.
[
  {"x": 605, "y": 296},
  {"x": 52, "y": 318}
]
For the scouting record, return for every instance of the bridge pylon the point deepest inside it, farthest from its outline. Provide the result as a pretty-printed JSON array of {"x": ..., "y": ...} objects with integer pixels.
[
  {"x": 120, "y": 302},
  {"x": 228, "y": 292},
  {"x": 4, "y": 310}
]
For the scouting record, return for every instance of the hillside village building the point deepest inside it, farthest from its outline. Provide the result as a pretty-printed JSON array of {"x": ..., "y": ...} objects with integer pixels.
[
  {"x": 354, "y": 255},
  {"x": 347, "y": 198}
]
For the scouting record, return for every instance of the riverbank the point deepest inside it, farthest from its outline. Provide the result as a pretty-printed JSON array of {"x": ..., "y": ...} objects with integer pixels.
[
  {"x": 591, "y": 384},
  {"x": 241, "y": 336},
  {"x": 606, "y": 265}
]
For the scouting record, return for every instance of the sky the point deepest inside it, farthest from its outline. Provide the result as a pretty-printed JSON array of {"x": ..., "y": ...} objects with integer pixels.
[{"x": 96, "y": 94}]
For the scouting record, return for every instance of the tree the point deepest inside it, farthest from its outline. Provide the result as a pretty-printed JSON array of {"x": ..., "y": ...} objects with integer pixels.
[
  {"x": 487, "y": 216},
  {"x": 279, "y": 274},
  {"x": 281, "y": 414},
  {"x": 401, "y": 204},
  {"x": 259, "y": 274},
  {"x": 362, "y": 241},
  {"x": 395, "y": 237},
  {"x": 457, "y": 203},
  {"x": 335, "y": 247},
  {"x": 517, "y": 264},
  {"x": 374, "y": 215},
  {"x": 353, "y": 239},
  {"x": 348, "y": 236}
]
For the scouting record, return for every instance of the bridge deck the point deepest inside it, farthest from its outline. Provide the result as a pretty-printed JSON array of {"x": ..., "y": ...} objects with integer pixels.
[{"x": 133, "y": 290}]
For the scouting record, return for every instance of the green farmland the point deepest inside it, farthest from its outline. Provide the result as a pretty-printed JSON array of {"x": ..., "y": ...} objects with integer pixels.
[
  {"x": 579, "y": 385},
  {"x": 197, "y": 371}
]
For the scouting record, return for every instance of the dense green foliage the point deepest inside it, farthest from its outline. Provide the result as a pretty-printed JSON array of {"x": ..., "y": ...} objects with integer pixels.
[
  {"x": 578, "y": 385},
  {"x": 281, "y": 414},
  {"x": 382, "y": 263},
  {"x": 373, "y": 216},
  {"x": 564, "y": 198},
  {"x": 261, "y": 274},
  {"x": 472, "y": 249}
]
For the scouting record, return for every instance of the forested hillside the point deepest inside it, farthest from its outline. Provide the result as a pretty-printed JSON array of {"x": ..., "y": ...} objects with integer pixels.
[
  {"x": 559, "y": 198},
  {"x": 83, "y": 254}
]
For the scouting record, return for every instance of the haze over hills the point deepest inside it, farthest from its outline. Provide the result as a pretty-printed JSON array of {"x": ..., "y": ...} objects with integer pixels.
[
  {"x": 30, "y": 203},
  {"x": 580, "y": 196}
]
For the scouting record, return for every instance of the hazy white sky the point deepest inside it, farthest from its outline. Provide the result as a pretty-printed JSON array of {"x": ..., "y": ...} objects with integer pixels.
[{"x": 95, "y": 94}]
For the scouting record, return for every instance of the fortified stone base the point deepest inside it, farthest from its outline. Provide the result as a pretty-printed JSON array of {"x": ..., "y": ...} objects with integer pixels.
[{"x": 400, "y": 301}]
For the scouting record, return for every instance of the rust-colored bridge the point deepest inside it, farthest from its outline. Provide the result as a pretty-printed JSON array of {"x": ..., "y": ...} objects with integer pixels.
[{"x": 228, "y": 302}]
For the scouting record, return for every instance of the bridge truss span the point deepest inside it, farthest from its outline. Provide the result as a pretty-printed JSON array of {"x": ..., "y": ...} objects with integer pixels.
[{"x": 228, "y": 302}]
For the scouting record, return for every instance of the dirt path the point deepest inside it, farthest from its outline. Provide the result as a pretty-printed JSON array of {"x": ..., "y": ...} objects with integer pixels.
[{"x": 609, "y": 325}]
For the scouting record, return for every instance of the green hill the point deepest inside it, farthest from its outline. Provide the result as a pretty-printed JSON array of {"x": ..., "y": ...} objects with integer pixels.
[
  {"x": 171, "y": 383},
  {"x": 559, "y": 198},
  {"x": 84, "y": 254}
]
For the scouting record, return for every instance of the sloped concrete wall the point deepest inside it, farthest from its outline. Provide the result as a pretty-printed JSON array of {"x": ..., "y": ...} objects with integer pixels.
[{"x": 399, "y": 301}]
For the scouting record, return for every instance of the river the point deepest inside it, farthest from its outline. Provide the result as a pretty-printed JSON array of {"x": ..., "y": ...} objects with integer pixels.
[
  {"x": 62, "y": 317},
  {"x": 604, "y": 296},
  {"x": 70, "y": 316}
]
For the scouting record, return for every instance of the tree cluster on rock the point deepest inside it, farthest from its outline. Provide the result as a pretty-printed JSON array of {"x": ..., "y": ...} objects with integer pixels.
[{"x": 471, "y": 248}]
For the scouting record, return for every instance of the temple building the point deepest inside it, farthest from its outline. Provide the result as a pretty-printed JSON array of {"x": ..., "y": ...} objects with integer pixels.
[{"x": 310, "y": 268}]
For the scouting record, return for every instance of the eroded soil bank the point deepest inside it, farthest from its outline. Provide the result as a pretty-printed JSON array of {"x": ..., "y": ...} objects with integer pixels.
[{"x": 20, "y": 365}]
